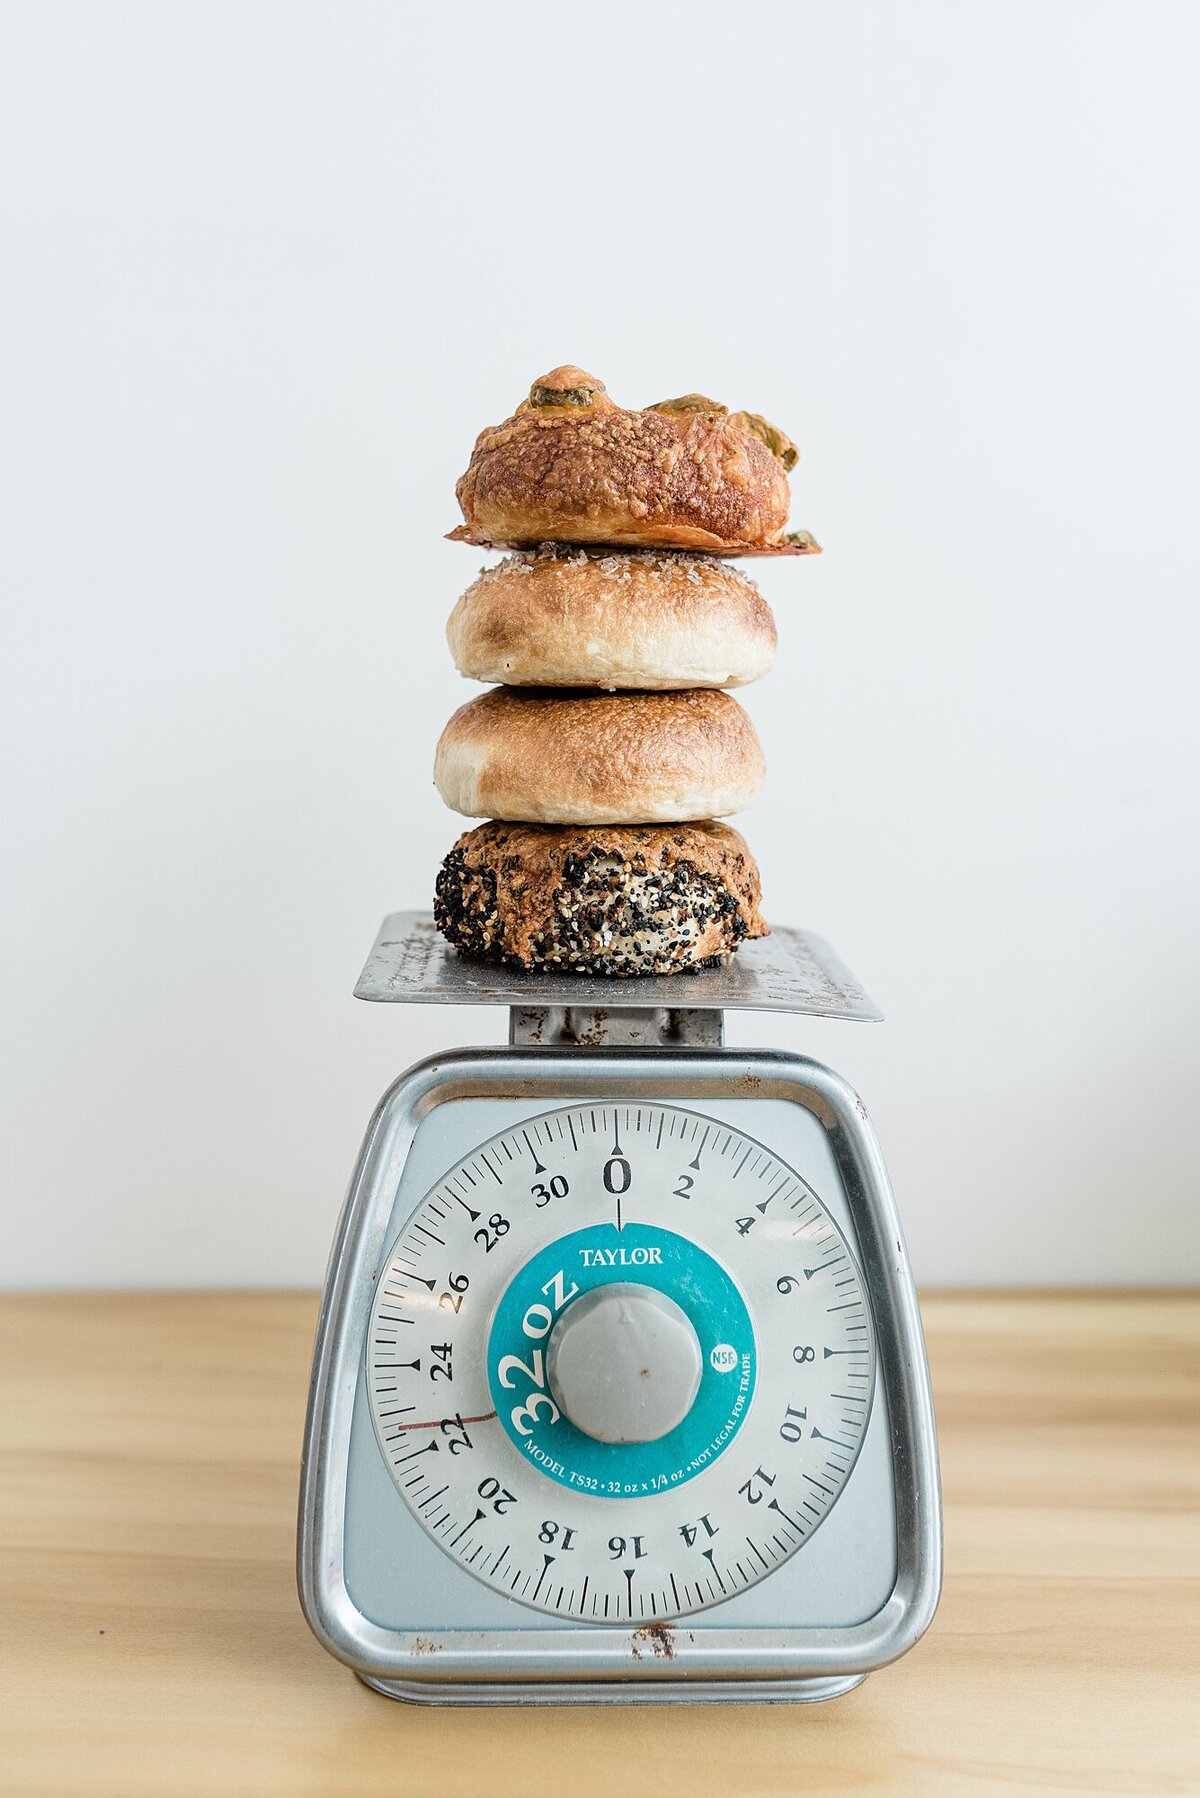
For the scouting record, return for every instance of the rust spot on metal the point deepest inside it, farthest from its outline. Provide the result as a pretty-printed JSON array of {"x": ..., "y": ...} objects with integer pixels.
[
  {"x": 749, "y": 1083},
  {"x": 659, "y": 1638},
  {"x": 423, "y": 1645},
  {"x": 596, "y": 1034},
  {"x": 528, "y": 1024}
]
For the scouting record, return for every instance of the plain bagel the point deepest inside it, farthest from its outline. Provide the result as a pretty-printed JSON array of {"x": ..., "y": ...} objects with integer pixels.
[
  {"x": 561, "y": 616},
  {"x": 564, "y": 757}
]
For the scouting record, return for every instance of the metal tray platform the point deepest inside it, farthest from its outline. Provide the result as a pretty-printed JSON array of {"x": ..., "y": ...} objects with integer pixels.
[{"x": 790, "y": 970}]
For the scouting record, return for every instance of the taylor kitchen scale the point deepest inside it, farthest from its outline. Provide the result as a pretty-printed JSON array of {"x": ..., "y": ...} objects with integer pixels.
[{"x": 619, "y": 1390}]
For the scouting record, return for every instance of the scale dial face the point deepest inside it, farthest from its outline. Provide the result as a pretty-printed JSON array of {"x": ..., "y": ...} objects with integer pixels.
[{"x": 620, "y": 1362}]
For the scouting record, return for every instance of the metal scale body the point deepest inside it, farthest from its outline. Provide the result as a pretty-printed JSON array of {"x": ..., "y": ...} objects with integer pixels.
[{"x": 619, "y": 1391}]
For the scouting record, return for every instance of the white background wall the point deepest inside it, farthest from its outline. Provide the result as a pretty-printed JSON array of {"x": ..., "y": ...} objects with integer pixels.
[{"x": 268, "y": 269}]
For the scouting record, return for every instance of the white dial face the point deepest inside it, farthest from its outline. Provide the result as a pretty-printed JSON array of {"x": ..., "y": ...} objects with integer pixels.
[{"x": 620, "y": 1362}]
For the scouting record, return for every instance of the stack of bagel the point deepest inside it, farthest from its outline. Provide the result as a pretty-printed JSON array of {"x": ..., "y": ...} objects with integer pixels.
[{"x": 609, "y": 746}]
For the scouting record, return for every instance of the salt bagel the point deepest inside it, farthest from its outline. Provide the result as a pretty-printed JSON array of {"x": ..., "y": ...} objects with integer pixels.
[
  {"x": 571, "y": 617},
  {"x": 598, "y": 758}
]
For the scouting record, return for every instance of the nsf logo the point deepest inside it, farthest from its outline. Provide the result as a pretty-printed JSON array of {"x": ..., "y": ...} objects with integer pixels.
[{"x": 724, "y": 1358}]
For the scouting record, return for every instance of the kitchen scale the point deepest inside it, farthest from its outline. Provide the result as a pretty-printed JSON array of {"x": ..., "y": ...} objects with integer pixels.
[{"x": 619, "y": 1390}]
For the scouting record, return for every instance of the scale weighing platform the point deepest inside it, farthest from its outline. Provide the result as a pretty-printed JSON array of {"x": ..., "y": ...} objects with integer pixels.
[{"x": 619, "y": 1391}]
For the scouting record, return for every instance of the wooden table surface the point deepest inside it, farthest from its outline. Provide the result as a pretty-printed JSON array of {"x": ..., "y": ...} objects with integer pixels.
[{"x": 152, "y": 1642}]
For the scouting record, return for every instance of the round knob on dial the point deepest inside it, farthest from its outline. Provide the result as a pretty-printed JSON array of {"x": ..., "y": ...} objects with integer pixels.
[{"x": 624, "y": 1363}]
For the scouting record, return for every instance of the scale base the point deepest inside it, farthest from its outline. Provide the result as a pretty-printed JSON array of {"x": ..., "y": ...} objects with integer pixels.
[{"x": 700, "y": 1691}]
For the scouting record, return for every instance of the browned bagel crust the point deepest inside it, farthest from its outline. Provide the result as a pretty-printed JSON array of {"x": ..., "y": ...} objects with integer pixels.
[
  {"x": 587, "y": 471},
  {"x": 561, "y": 756},
  {"x": 615, "y": 900}
]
